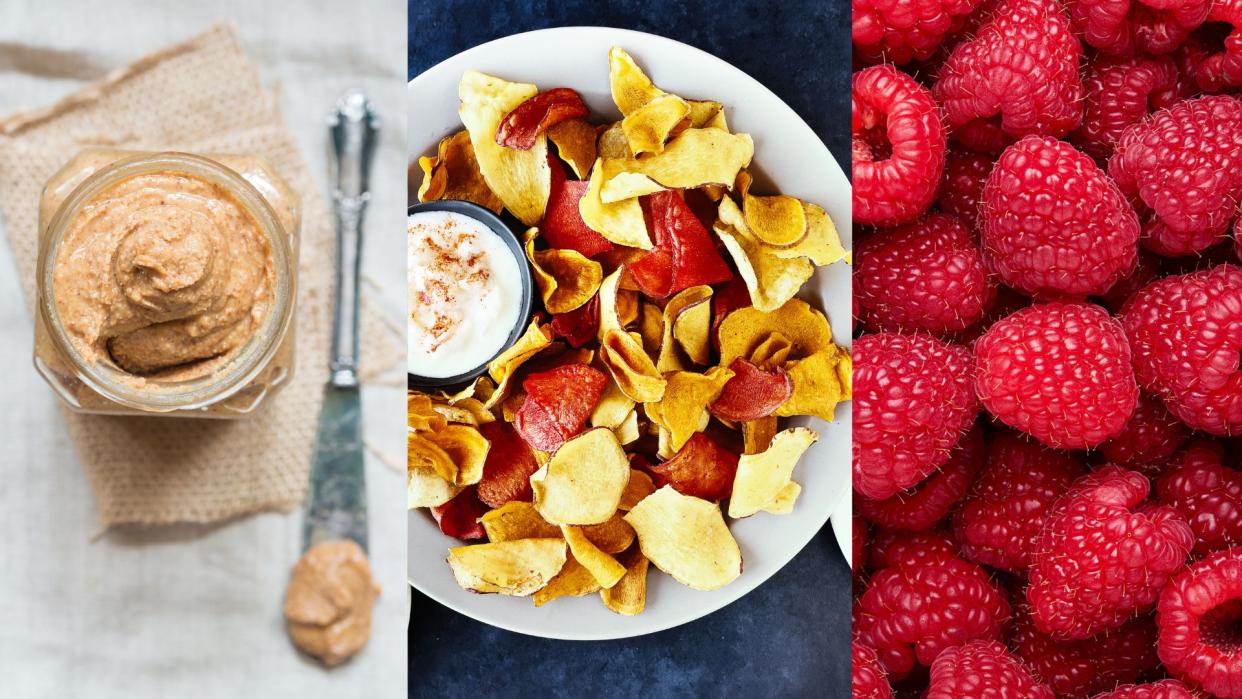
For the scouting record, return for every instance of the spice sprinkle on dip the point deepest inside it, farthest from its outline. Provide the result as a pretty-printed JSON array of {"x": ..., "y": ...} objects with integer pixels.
[{"x": 465, "y": 293}]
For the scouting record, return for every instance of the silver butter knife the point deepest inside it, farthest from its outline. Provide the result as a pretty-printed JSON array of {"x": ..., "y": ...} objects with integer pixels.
[{"x": 337, "y": 507}]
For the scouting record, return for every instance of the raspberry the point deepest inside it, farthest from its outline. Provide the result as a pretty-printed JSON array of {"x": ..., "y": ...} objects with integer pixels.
[
  {"x": 1183, "y": 169},
  {"x": 1103, "y": 555},
  {"x": 910, "y": 613},
  {"x": 1164, "y": 689},
  {"x": 869, "y": 679},
  {"x": 892, "y": 547},
  {"x": 1150, "y": 437},
  {"x": 1206, "y": 493},
  {"x": 982, "y": 669},
  {"x": 1222, "y": 69},
  {"x": 929, "y": 501},
  {"x": 1120, "y": 92},
  {"x": 1146, "y": 269},
  {"x": 1081, "y": 668},
  {"x": 1122, "y": 27},
  {"x": 1186, "y": 333},
  {"x": 1018, "y": 75},
  {"x": 1059, "y": 372},
  {"x": 897, "y": 31},
  {"x": 912, "y": 402},
  {"x": 1001, "y": 516},
  {"x": 1199, "y": 618},
  {"x": 1045, "y": 250},
  {"x": 898, "y": 144},
  {"x": 964, "y": 174},
  {"x": 927, "y": 275}
]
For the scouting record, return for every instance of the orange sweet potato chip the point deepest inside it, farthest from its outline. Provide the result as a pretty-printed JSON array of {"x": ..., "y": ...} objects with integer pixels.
[
  {"x": 701, "y": 468},
  {"x": 752, "y": 393},
  {"x": 558, "y": 403},
  {"x": 575, "y": 142},
  {"x": 454, "y": 174}
]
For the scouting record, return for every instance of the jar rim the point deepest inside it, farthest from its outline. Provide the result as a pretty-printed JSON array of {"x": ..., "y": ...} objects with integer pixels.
[{"x": 160, "y": 395}]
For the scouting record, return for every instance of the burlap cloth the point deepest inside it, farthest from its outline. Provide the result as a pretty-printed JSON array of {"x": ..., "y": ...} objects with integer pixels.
[{"x": 202, "y": 95}]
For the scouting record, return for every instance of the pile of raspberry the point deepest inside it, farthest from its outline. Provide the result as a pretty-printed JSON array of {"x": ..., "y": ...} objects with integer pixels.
[{"x": 1048, "y": 319}]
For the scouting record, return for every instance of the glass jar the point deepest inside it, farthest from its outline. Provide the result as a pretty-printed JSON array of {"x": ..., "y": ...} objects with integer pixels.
[{"x": 241, "y": 380}]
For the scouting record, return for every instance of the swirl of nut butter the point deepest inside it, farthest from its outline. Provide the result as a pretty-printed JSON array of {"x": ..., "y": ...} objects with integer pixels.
[{"x": 164, "y": 274}]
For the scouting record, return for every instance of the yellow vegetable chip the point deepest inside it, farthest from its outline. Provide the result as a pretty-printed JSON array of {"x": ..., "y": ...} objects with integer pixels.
[
  {"x": 621, "y": 221},
  {"x": 613, "y": 407},
  {"x": 761, "y": 477},
  {"x": 619, "y": 186},
  {"x": 821, "y": 244},
  {"x": 517, "y": 520},
  {"x": 669, "y": 358},
  {"x": 613, "y": 536},
  {"x": 454, "y": 174},
  {"x": 772, "y": 352},
  {"x": 575, "y": 142},
  {"x": 423, "y": 484},
  {"x": 776, "y": 221},
  {"x": 627, "y": 306},
  {"x": 429, "y": 456},
  {"x": 692, "y": 158},
  {"x": 650, "y": 327},
  {"x": 434, "y": 181},
  {"x": 639, "y": 487},
  {"x": 466, "y": 447},
  {"x": 683, "y": 409},
  {"x": 630, "y": 86},
  {"x": 631, "y": 368},
  {"x": 481, "y": 388},
  {"x": 817, "y": 386},
  {"x": 609, "y": 318},
  {"x": 574, "y": 580},
  {"x": 475, "y": 407},
  {"x": 686, "y": 537},
  {"x": 522, "y": 179},
  {"x": 421, "y": 413},
  {"x": 785, "y": 499},
  {"x": 605, "y": 568},
  {"x": 771, "y": 280},
  {"x": 745, "y": 329},
  {"x": 648, "y": 127},
  {"x": 452, "y": 413},
  {"x": 583, "y": 481},
  {"x": 706, "y": 114},
  {"x": 506, "y": 364},
  {"x": 627, "y": 432},
  {"x": 567, "y": 279},
  {"x": 845, "y": 374},
  {"x": 516, "y": 568},
  {"x": 692, "y": 331},
  {"x": 629, "y": 596},
  {"x": 611, "y": 143}
]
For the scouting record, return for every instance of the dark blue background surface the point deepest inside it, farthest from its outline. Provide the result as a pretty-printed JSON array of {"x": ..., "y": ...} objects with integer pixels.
[{"x": 788, "y": 638}]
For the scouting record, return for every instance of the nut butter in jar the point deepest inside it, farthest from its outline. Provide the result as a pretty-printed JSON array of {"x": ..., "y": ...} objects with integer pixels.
[{"x": 166, "y": 283}]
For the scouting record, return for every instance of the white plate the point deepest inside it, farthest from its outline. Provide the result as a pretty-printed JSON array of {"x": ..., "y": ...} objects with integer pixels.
[
  {"x": 797, "y": 163},
  {"x": 843, "y": 528}
]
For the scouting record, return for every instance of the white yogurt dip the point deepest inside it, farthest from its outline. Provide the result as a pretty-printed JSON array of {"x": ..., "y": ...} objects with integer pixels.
[{"x": 465, "y": 293}]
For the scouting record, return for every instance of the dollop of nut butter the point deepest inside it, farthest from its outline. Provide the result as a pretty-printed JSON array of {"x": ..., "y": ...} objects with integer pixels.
[
  {"x": 329, "y": 600},
  {"x": 165, "y": 275}
]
